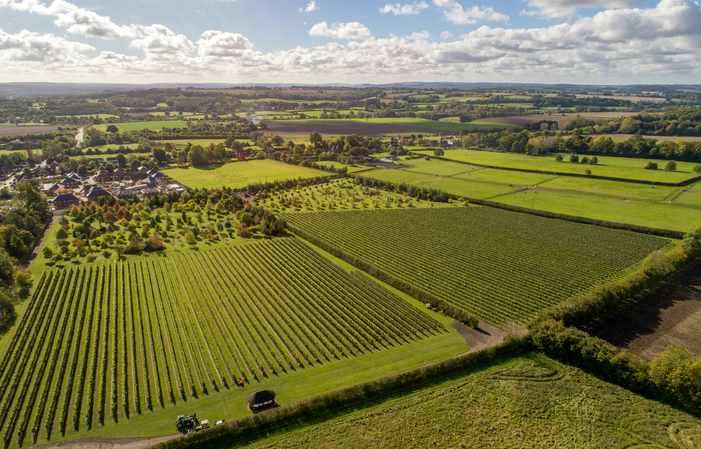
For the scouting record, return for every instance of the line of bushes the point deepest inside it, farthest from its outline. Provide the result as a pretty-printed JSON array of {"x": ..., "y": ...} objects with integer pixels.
[
  {"x": 575, "y": 175},
  {"x": 411, "y": 290},
  {"x": 674, "y": 376},
  {"x": 329, "y": 405}
]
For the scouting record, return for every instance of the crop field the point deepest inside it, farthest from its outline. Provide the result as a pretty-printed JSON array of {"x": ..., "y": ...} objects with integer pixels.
[
  {"x": 151, "y": 125},
  {"x": 240, "y": 174},
  {"x": 377, "y": 126},
  {"x": 340, "y": 194},
  {"x": 616, "y": 167},
  {"x": 103, "y": 343},
  {"x": 620, "y": 211},
  {"x": 531, "y": 402},
  {"x": 496, "y": 264}
]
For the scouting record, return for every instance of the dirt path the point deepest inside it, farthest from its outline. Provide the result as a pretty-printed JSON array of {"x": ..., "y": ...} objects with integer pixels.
[
  {"x": 35, "y": 252},
  {"x": 111, "y": 443},
  {"x": 484, "y": 336}
]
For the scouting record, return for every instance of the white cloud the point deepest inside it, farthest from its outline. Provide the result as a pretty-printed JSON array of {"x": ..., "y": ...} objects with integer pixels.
[
  {"x": 222, "y": 45},
  {"x": 446, "y": 35},
  {"x": 311, "y": 6},
  {"x": 615, "y": 46},
  {"x": 455, "y": 13},
  {"x": 349, "y": 31},
  {"x": 568, "y": 8},
  {"x": 76, "y": 20},
  {"x": 27, "y": 46},
  {"x": 159, "y": 42},
  {"x": 399, "y": 9}
]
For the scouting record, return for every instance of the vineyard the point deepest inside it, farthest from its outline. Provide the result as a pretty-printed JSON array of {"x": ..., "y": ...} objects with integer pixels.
[
  {"x": 496, "y": 264},
  {"x": 104, "y": 342}
]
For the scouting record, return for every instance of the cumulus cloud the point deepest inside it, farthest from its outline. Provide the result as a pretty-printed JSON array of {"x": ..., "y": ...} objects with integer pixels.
[
  {"x": 446, "y": 35},
  {"x": 620, "y": 45},
  {"x": 160, "y": 42},
  {"x": 456, "y": 13},
  {"x": 311, "y": 6},
  {"x": 76, "y": 20},
  {"x": 398, "y": 9},
  {"x": 568, "y": 8},
  {"x": 221, "y": 44},
  {"x": 27, "y": 46},
  {"x": 348, "y": 31}
]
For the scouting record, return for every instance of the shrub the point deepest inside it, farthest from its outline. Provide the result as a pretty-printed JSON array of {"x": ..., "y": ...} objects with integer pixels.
[
  {"x": 574, "y": 159},
  {"x": 651, "y": 166},
  {"x": 697, "y": 169},
  {"x": 154, "y": 243},
  {"x": 593, "y": 161},
  {"x": 587, "y": 172},
  {"x": 135, "y": 245},
  {"x": 438, "y": 152},
  {"x": 671, "y": 166},
  {"x": 558, "y": 158},
  {"x": 585, "y": 160},
  {"x": 243, "y": 232}
]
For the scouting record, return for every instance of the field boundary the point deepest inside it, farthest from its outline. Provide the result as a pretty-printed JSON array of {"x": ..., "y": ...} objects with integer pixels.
[
  {"x": 684, "y": 183},
  {"x": 668, "y": 233}
]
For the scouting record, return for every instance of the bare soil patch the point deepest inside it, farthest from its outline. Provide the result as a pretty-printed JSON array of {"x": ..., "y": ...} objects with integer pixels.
[
  {"x": 17, "y": 130},
  {"x": 669, "y": 315},
  {"x": 530, "y": 119},
  {"x": 484, "y": 336},
  {"x": 338, "y": 129}
]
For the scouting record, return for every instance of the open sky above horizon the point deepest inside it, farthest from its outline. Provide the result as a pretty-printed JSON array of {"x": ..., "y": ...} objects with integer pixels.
[{"x": 322, "y": 41}]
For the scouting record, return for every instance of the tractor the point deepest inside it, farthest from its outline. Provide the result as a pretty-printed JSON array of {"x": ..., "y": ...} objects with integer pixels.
[{"x": 186, "y": 421}]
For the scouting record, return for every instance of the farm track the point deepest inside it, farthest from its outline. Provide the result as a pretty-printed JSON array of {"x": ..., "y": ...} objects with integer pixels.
[{"x": 123, "y": 330}]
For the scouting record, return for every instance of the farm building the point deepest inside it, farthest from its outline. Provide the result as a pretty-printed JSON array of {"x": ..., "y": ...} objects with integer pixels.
[{"x": 65, "y": 200}]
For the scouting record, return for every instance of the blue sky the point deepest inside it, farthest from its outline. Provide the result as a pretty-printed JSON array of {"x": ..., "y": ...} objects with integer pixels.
[{"x": 573, "y": 41}]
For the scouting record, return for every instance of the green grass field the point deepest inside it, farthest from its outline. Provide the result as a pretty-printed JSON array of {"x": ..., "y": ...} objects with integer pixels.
[
  {"x": 435, "y": 167},
  {"x": 626, "y": 189},
  {"x": 240, "y": 174},
  {"x": 689, "y": 198},
  {"x": 497, "y": 265},
  {"x": 631, "y": 212},
  {"x": 456, "y": 186},
  {"x": 135, "y": 343},
  {"x": 528, "y": 402},
  {"x": 616, "y": 167},
  {"x": 505, "y": 177}
]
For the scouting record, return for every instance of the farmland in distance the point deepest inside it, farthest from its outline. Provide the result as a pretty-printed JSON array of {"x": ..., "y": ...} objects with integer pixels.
[{"x": 496, "y": 264}]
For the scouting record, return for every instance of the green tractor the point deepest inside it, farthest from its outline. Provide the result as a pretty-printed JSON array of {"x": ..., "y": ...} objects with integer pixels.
[{"x": 186, "y": 421}]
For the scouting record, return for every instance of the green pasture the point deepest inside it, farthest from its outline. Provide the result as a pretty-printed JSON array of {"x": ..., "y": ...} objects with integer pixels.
[
  {"x": 689, "y": 198},
  {"x": 607, "y": 166},
  {"x": 396, "y": 176},
  {"x": 435, "y": 167},
  {"x": 627, "y": 189},
  {"x": 505, "y": 177},
  {"x": 525, "y": 402},
  {"x": 620, "y": 211},
  {"x": 240, "y": 174},
  {"x": 457, "y": 186}
]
